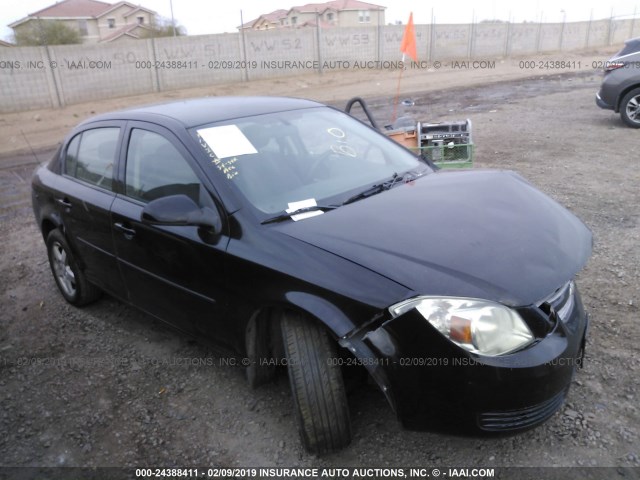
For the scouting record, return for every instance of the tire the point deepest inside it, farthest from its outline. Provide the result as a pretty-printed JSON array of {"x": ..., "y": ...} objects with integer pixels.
[
  {"x": 630, "y": 108},
  {"x": 322, "y": 412},
  {"x": 71, "y": 281}
]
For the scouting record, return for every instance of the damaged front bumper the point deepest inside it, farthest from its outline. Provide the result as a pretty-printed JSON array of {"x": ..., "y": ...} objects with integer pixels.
[{"x": 431, "y": 383}]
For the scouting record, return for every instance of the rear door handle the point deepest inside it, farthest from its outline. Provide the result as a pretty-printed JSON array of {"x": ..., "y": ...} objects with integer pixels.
[
  {"x": 64, "y": 202},
  {"x": 128, "y": 232}
]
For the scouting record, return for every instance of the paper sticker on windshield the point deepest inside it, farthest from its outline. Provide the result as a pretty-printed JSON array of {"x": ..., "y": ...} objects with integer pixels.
[
  {"x": 227, "y": 141},
  {"x": 293, "y": 206}
]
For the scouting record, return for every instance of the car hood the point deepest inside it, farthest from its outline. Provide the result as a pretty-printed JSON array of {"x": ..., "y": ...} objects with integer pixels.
[{"x": 483, "y": 234}]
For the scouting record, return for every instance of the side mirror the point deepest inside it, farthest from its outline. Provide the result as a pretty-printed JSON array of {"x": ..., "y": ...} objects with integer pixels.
[{"x": 180, "y": 210}]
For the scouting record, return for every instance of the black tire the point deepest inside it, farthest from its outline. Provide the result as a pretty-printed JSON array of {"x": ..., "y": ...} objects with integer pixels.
[
  {"x": 318, "y": 390},
  {"x": 630, "y": 108},
  {"x": 71, "y": 281}
]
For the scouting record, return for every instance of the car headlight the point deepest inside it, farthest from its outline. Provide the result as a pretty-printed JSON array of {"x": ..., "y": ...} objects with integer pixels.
[{"x": 479, "y": 326}]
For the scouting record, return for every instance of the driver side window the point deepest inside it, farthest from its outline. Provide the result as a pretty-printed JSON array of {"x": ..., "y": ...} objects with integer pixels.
[{"x": 155, "y": 169}]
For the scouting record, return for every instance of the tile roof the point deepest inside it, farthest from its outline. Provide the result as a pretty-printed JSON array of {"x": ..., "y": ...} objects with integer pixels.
[
  {"x": 80, "y": 9},
  {"x": 274, "y": 16},
  {"x": 73, "y": 8},
  {"x": 134, "y": 8}
]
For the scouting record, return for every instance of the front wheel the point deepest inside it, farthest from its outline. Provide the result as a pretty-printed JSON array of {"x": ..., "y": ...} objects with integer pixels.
[
  {"x": 70, "y": 279},
  {"x": 630, "y": 108},
  {"x": 318, "y": 390}
]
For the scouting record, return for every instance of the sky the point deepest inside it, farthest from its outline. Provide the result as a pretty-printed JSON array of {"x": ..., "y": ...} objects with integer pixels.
[{"x": 201, "y": 17}]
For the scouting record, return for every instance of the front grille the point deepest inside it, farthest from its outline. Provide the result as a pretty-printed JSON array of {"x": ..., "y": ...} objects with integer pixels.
[{"x": 509, "y": 420}]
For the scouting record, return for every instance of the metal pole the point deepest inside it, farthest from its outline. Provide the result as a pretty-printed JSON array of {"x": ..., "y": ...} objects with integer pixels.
[
  {"x": 173, "y": 22},
  {"x": 589, "y": 29},
  {"x": 43, "y": 41},
  {"x": 378, "y": 40},
  {"x": 564, "y": 21},
  {"x": 507, "y": 43},
  {"x": 633, "y": 20},
  {"x": 154, "y": 52},
  {"x": 610, "y": 39},
  {"x": 432, "y": 35},
  {"x": 244, "y": 48},
  {"x": 318, "y": 42},
  {"x": 539, "y": 34},
  {"x": 472, "y": 37}
]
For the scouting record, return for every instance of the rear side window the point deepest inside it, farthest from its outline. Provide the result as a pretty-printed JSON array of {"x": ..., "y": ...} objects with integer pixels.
[
  {"x": 91, "y": 156},
  {"x": 629, "y": 48},
  {"x": 155, "y": 169}
]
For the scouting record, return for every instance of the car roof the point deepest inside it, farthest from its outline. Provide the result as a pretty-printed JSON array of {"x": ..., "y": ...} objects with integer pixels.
[
  {"x": 201, "y": 111},
  {"x": 633, "y": 42}
]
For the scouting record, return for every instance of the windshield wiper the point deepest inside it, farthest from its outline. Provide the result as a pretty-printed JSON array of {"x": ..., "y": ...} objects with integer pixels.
[
  {"x": 375, "y": 189},
  {"x": 288, "y": 215},
  {"x": 415, "y": 174}
]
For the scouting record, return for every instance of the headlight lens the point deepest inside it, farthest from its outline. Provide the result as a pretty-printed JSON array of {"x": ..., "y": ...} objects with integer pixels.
[{"x": 479, "y": 326}]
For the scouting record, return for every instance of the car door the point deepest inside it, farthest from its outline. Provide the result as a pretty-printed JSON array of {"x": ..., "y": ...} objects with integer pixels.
[
  {"x": 83, "y": 197},
  {"x": 175, "y": 273}
]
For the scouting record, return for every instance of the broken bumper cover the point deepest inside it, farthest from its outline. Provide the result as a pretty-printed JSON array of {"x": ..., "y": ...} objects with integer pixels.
[{"x": 432, "y": 383}]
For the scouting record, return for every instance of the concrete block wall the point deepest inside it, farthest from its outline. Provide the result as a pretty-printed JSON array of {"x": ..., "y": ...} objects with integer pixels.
[
  {"x": 25, "y": 79},
  {"x": 349, "y": 45},
  {"x": 266, "y": 53},
  {"x": 187, "y": 62},
  {"x": 102, "y": 71},
  {"x": 624, "y": 29},
  {"x": 490, "y": 40},
  {"x": 450, "y": 41},
  {"x": 574, "y": 35},
  {"x": 524, "y": 38},
  {"x": 50, "y": 77}
]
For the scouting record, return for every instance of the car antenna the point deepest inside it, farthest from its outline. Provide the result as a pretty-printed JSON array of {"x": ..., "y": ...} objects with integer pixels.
[{"x": 30, "y": 147}]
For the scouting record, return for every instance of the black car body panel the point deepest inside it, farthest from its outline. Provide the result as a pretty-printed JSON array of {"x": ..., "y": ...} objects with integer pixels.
[
  {"x": 469, "y": 234},
  {"x": 477, "y": 234},
  {"x": 469, "y": 390}
]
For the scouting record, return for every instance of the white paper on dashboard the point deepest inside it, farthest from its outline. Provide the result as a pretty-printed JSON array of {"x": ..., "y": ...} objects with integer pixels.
[{"x": 227, "y": 141}]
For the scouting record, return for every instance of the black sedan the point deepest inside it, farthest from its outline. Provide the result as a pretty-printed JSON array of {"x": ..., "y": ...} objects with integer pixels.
[{"x": 297, "y": 236}]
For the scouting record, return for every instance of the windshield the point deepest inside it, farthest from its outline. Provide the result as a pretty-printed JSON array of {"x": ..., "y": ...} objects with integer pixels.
[{"x": 316, "y": 154}]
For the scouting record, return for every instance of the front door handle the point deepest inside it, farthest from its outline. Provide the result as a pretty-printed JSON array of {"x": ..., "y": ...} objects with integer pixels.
[
  {"x": 128, "y": 232},
  {"x": 64, "y": 202}
]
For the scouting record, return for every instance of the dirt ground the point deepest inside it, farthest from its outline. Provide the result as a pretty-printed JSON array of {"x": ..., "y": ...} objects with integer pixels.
[{"x": 106, "y": 385}]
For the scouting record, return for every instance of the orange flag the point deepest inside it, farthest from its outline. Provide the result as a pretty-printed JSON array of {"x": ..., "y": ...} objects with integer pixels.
[{"x": 408, "y": 45}]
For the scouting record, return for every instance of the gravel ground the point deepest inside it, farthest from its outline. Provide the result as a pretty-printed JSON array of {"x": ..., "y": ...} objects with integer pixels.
[{"x": 106, "y": 385}]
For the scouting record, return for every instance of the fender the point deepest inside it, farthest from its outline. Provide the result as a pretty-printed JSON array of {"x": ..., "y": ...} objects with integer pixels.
[
  {"x": 363, "y": 344},
  {"x": 342, "y": 326},
  {"x": 51, "y": 215},
  {"x": 328, "y": 313}
]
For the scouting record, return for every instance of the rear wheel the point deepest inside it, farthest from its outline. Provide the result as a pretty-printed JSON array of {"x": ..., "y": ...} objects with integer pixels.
[
  {"x": 630, "y": 108},
  {"x": 318, "y": 390},
  {"x": 71, "y": 281}
]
